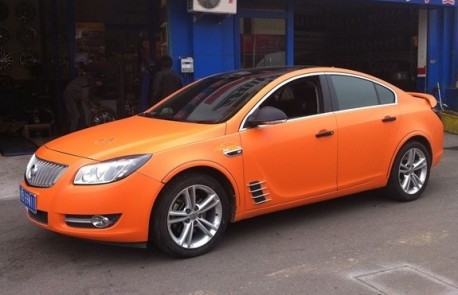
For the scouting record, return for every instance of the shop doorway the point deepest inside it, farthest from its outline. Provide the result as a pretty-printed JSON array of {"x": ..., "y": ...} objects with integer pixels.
[
  {"x": 262, "y": 42},
  {"x": 377, "y": 38}
]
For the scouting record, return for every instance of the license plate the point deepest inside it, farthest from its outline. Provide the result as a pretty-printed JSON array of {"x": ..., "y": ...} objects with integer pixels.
[{"x": 28, "y": 199}]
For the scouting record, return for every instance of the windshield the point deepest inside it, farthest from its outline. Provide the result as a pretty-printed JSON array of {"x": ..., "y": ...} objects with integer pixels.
[{"x": 215, "y": 99}]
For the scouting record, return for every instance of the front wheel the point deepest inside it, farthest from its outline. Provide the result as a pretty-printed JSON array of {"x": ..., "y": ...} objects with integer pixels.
[
  {"x": 190, "y": 215},
  {"x": 410, "y": 172}
]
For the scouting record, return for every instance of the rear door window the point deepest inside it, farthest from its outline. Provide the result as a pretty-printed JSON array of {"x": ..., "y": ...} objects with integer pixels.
[
  {"x": 353, "y": 92},
  {"x": 385, "y": 95}
]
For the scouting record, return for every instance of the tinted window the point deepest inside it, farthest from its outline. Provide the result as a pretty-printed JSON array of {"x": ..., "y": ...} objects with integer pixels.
[
  {"x": 385, "y": 95},
  {"x": 352, "y": 92},
  {"x": 298, "y": 98}
]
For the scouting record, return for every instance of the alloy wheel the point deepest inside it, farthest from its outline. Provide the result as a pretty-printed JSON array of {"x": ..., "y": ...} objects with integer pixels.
[
  {"x": 194, "y": 216},
  {"x": 413, "y": 171}
]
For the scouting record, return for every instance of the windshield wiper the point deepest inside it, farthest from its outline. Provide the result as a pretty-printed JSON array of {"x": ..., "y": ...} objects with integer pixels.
[
  {"x": 147, "y": 115},
  {"x": 160, "y": 117}
]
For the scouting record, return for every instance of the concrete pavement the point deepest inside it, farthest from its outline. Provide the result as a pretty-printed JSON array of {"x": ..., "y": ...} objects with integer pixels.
[{"x": 11, "y": 172}]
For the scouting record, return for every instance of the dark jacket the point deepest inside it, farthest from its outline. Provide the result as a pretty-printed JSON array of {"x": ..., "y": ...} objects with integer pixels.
[{"x": 166, "y": 81}]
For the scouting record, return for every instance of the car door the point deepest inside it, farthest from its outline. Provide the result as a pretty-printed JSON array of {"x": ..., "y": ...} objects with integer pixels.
[
  {"x": 295, "y": 159},
  {"x": 367, "y": 121}
]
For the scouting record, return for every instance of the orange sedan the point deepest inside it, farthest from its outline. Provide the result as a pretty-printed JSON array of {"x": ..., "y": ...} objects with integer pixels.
[{"x": 229, "y": 147}]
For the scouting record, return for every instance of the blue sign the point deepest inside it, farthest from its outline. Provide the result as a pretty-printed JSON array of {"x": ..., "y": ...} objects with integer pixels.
[{"x": 430, "y": 2}]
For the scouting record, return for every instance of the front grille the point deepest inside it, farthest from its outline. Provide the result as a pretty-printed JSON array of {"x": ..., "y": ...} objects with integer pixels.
[
  {"x": 40, "y": 216},
  {"x": 41, "y": 173}
]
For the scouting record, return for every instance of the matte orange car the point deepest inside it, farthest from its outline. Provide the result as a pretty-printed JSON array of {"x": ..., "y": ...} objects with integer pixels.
[{"x": 230, "y": 147}]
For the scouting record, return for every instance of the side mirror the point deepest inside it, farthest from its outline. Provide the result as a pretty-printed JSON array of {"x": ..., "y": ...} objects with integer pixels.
[{"x": 267, "y": 116}]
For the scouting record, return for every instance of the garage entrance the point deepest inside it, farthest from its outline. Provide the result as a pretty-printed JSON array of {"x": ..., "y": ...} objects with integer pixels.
[{"x": 373, "y": 37}]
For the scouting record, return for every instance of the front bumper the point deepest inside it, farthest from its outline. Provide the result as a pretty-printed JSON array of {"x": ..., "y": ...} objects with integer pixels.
[{"x": 65, "y": 208}]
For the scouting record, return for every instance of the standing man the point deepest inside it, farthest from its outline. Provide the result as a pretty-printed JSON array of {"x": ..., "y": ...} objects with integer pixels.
[
  {"x": 76, "y": 93},
  {"x": 166, "y": 81}
]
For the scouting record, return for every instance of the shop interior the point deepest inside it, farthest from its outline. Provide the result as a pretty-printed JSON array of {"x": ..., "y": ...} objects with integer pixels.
[
  {"x": 116, "y": 39},
  {"x": 373, "y": 37}
]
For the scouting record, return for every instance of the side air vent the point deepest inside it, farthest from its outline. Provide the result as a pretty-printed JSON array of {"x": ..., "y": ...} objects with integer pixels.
[{"x": 257, "y": 191}]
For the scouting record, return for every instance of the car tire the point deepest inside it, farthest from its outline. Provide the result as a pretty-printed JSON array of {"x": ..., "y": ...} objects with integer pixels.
[
  {"x": 410, "y": 172},
  {"x": 190, "y": 216},
  {"x": 102, "y": 116}
]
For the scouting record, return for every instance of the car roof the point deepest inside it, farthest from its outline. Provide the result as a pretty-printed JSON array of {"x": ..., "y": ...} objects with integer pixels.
[
  {"x": 277, "y": 71},
  {"x": 261, "y": 71}
]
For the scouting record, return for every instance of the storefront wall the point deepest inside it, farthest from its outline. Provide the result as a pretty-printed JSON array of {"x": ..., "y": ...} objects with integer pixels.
[
  {"x": 214, "y": 41},
  {"x": 442, "y": 50},
  {"x": 208, "y": 39},
  {"x": 260, "y": 33}
]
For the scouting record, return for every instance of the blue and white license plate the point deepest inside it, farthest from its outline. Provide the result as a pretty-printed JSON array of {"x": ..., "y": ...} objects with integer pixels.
[{"x": 28, "y": 199}]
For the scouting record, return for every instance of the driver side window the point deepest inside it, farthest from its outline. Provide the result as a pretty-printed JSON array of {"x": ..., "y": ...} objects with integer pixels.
[{"x": 299, "y": 98}]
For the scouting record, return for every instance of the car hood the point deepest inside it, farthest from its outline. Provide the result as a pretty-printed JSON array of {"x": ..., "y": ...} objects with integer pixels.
[{"x": 134, "y": 135}]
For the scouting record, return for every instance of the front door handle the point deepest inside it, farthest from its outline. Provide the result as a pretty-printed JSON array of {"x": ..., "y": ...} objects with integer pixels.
[
  {"x": 388, "y": 119},
  {"x": 324, "y": 133}
]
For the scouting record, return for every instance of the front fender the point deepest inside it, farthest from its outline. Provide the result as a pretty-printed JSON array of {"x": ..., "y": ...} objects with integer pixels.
[{"x": 165, "y": 165}]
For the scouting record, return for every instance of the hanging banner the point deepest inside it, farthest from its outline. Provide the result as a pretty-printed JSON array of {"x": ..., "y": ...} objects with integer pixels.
[{"x": 430, "y": 2}]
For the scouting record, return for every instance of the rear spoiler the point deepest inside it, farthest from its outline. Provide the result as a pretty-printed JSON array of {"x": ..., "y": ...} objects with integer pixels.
[{"x": 428, "y": 97}]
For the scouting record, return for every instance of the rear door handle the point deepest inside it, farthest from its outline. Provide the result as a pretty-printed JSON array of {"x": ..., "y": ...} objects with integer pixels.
[
  {"x": 388, "y": 119},
  {"x": 324, "y": 133}
]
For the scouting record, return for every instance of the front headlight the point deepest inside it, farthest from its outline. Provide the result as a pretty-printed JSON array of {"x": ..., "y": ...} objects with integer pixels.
[{"x": 111, "y": 170}]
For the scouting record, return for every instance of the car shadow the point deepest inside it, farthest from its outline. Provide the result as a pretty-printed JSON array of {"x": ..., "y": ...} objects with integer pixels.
[
  {"x": 34, "y": 246},
  {"x": 306, "y": 216}
]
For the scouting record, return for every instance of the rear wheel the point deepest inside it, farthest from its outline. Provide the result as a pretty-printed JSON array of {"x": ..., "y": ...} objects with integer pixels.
[
  {"x": 410, "y": 172},
  {"x": 190, "y": 215}
]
